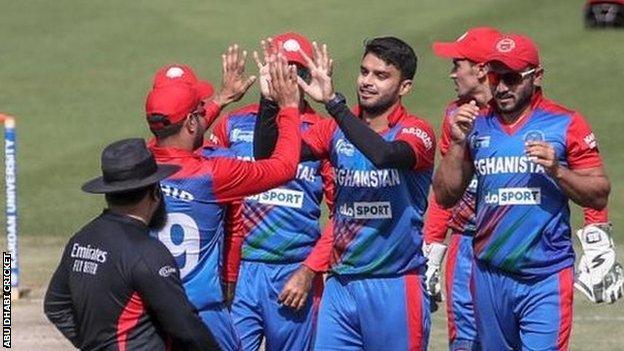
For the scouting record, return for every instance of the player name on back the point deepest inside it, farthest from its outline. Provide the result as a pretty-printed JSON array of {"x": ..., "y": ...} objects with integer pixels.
[
  {"x": 506, "y": 164},
  {"x": 376, "y": 178}
]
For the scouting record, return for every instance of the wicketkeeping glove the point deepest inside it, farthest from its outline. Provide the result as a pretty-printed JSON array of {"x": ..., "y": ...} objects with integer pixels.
[
  {"x": 599, "y": 276},
  {"x": 434, "y": 253}
]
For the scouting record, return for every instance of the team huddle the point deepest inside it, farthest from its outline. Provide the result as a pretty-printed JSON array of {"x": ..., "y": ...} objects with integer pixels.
[{"x": 241, "y": 210}]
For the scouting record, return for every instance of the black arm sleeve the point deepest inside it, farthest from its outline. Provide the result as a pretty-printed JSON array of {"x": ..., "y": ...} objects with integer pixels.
[
  {"x": 382, "y": 153},
  {"x": 57, "y": 305},
  {"x": 265, "y": 133},
  {"x": 162, "y": 290}
]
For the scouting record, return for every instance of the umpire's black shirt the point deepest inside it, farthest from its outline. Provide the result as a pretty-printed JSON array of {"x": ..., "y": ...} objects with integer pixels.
[{"x": 117, "y": 288}]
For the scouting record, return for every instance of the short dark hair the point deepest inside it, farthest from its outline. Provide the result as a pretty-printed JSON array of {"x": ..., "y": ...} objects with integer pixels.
[
  {"x": 166, "y": 131},
  {"x": 130, "y": 197},
  {"x": 396, "y": 52}
]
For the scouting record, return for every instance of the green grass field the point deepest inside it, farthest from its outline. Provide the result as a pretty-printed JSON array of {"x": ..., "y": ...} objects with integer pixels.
[{"x": 75, "y": 73}]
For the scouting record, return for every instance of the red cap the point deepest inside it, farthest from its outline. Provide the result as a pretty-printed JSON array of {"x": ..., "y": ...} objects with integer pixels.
[
  {"x": 174, "y": 73},
  {"x": 475, "y": 45},
  {"x": 516, "y": 52},
  {"x": 291, "y": 43},
  {"x": 174, "y": 101}
]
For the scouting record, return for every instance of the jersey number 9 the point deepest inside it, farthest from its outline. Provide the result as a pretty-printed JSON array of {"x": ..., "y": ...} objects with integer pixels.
[{"x": 181, "y": 236}]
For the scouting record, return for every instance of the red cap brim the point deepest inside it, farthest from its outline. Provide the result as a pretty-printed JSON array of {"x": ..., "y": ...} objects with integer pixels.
[
  {"x": 447, "y": 50},
  {"x": 513, "y": 63}
]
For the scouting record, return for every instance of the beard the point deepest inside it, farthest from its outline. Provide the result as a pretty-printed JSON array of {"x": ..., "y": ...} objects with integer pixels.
[
  {"x": 380, "y": 106},
  {"x": 159, "y": 218}
]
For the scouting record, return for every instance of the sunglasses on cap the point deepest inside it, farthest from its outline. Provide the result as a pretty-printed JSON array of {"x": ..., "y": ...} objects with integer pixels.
[{"x": 509, "y": 78}]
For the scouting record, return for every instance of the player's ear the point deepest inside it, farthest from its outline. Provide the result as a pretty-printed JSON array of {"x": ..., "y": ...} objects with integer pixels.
[
  {"x": 405, "y": 86},
  {"x": 539, "y": 75},
  {"x": 480, "y": 70},
  {"x": 191, "y": 123}
]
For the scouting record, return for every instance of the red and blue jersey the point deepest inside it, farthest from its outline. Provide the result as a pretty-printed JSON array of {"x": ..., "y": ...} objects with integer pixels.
[
  {"x": 377, "y": 212},
  {"x": 460, "y": 218},
  {"x": 523, "y": 218},
  {"x": 196, "y": 199},
  {"x": 280, "y": 225}
]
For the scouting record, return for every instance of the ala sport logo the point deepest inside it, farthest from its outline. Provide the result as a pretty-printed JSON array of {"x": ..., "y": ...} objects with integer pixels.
[
  {"x": 514, "y": 196},
  {"x": 367, "y": 210},
  {"x": 344, "y": 147},
  {"x": 534, "y": 135},
  {"x": 280, "y": 197}
]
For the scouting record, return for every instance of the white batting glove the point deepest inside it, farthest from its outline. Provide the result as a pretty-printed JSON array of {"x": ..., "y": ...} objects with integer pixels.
[
  {"x": 599, "y": 276},
  {"x": 434, "y": 253}
]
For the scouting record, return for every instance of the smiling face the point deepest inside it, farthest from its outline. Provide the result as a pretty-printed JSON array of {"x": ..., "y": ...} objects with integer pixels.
[{"x": 379, "y": 84}]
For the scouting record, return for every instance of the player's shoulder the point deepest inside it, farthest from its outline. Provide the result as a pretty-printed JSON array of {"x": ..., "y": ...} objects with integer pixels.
[
  {"x": 555, "y": 108},
  {"x": 413, "y": 120},
  {"x": 414, "y": 125}
]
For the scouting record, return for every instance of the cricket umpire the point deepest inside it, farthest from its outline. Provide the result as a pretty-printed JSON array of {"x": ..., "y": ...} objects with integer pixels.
[{"x": 116, "y": 288}]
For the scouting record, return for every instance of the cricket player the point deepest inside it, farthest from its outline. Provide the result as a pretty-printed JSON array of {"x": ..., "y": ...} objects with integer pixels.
[
  {"x": 197, "y": 195},
  {"x": 530, "y": 155},
  {"x": 382, "y": 156},
  {"x": 280, "y": 279},
  {"x": 469, "y": 73},
  {"x": 469, "y": 54}
]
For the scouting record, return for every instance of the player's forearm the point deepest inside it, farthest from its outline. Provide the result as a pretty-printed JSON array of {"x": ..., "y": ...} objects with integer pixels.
[
  {"x": 452, "y": 176},
  {"x": 318, "y": 260},
  {"x": 436, "y": 221},
  {"x": 234, "y": 238},
  {"x": 212, "y": 111},
  {"x": 282, "y": 165},
  {"x": 265, "y": 129},
  {"x": 382, "y": 153},
  {"x": 585, "y": 190}
]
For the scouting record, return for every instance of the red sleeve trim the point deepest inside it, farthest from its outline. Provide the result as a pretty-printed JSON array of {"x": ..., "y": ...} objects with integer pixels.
[{"x": 581, "y": 145}]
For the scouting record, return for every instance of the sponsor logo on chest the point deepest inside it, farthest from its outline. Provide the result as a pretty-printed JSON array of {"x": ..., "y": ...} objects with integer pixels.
[
  {"x": 279, "y": 197},
  {"x": 367, "y": 210},
  {"x": 514, "y": 196}
]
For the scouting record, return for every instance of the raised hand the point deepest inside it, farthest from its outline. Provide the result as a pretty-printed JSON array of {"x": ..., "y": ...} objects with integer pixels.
[
  {"x": 320, "y": 88},
  {"x": 463, "y": 121},
  {"x": 263, "y": 67},
  {"x": 283, "y": 83},
  {"x": 234, "y": 83}
]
